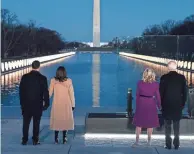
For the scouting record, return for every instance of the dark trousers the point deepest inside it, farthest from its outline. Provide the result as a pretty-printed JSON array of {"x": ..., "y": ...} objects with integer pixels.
[
  {"x": 176, "y": 126},
  {"x": 57, "y": 133},
  {"x": 36, "y": 126}
]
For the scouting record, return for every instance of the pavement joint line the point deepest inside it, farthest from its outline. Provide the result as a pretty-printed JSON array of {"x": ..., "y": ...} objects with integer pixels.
[
  {"x": 45, "y": 136},
  {"x": 3, "y": 122},
  {"x": 69, "y": 149},
  {"x": 42, "y": 128},
  {"x": 156, "y": 150},
  {"x": 74, "y": 135}
]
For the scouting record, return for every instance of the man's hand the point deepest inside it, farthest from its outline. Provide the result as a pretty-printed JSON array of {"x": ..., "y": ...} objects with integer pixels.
[
  {"x": 45, "y": 108},
  {"x": 22, "y": 111},
  {"x": 160, "y": 110}
]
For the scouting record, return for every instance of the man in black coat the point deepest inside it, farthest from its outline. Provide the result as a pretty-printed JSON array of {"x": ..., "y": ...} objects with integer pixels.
[
  {"x": 173, "y": 93},
  {"x": 34, "y": 98}
]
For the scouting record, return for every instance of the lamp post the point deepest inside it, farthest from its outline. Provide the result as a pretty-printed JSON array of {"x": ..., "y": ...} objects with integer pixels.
[{"x": 129, "y": 102}]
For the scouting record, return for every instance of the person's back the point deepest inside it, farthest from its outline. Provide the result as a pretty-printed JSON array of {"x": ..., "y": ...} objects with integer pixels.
[
  {"x": 34, "y": 98},
  {"x": 147, "y": 101},
  {"x": 61, "y": 90},
  {"x": 173, "y": 94},
  {"x": 33, "y": 91},
  {"x": 63, "y": 104},
  {"x": 147, "y": 89},
  {"x": 62, "y": 96},
  {"x": 173, "y": 97}
]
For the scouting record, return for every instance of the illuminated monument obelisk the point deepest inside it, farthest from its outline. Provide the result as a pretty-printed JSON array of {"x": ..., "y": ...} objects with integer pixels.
[{"x": 96, "y": 23}]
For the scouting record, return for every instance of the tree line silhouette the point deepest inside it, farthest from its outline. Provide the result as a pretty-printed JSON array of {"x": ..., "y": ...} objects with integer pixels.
[
  {"x": 29, "y": 39},
  {"x": 168, "y": 39}
]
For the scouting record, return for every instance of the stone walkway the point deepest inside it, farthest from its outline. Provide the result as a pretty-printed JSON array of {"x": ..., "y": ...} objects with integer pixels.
[{"x": 77, "y": 143}]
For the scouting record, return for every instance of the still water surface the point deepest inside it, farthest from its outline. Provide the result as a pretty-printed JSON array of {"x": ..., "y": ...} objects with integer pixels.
[{"x": 100, "y": 80}]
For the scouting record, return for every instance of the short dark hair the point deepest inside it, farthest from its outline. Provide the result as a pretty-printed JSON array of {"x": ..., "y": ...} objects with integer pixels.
[
  {"x": 35, "y": 64},
  {"x": 61, "y": 74}
]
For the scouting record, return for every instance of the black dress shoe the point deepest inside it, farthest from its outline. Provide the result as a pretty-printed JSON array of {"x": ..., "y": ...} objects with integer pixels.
[
  {"x": 56, "y": 141},
  {"x": 64, "y": 137},
  {"x": 64, "y": 140},
  {"x": 56, "y": 137},
  {"x": 36, "y": 143},
  {"x": 24, "y": 143},
  {"x": 176, "y": 147},
  {"x": 167, "y": 147}
]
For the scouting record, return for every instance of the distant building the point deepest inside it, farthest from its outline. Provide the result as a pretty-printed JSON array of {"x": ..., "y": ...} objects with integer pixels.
[{"x": 91, "y": 43}]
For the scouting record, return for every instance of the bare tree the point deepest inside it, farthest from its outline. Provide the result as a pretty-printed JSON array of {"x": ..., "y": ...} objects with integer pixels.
[
  {"x": 32, "y": 35},
  {"x": 153, "y": 30},
  {"x": 189, "y": 18},
  {"x": 9, "y": 25},
  {"x": 167, "y": 26},
  {"x": 30, "y": 40}
]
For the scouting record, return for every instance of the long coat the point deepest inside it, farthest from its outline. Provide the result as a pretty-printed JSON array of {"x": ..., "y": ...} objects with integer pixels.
[
  {"x": 173, "y": 92},
  {"x": 147, "y": 102},
  {"x": 61, "y": 113},
  {"x": 34, "y": 94}
]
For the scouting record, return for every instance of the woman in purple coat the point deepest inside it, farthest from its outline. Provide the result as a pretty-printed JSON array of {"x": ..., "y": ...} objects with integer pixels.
[{"x": 147, "y": 102}]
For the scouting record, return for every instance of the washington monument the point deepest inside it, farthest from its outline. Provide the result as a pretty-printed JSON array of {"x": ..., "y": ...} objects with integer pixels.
[{"x": 96, "y": 23}]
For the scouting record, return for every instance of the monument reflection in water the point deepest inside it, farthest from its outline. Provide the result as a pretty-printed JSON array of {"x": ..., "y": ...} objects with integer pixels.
[{"x": 96, "y": 79}]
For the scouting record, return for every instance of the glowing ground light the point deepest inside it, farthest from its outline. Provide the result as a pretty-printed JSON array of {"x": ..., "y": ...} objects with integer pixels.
[
  {"x": 11, "y": 65},
  {"x": 14, "y": 77},
  {"x": 181, "y": 64},
  {"x": 160, "y": 69},
  {"x": 132, "y": 136}
]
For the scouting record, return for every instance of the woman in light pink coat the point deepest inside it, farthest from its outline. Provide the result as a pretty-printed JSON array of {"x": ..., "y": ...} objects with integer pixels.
[{"x": 63, "y": 104}]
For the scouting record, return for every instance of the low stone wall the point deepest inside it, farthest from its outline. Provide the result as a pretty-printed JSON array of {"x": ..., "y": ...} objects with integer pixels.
[
  {"x": 120, "y": 123},
  {"x": 12, "y": 65},
  {"x": 181, "y": 64}
]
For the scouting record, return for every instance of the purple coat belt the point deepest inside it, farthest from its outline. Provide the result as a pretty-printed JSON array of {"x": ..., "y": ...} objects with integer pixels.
[{"x": 147, "y": 96}]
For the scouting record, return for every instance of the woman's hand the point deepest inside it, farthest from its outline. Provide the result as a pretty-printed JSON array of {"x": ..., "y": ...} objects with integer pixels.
[{"x": 160, "y": 109}]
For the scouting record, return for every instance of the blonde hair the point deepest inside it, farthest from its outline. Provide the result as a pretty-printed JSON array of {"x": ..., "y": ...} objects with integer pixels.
[{"x": 149, "y": 75}]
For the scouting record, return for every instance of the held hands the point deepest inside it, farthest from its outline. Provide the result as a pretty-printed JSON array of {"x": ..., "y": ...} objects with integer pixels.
[
  {"x": 45, "y": 108},
  {"x": 160, "y": 109},
  {"x": 22, "y": 111}
]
